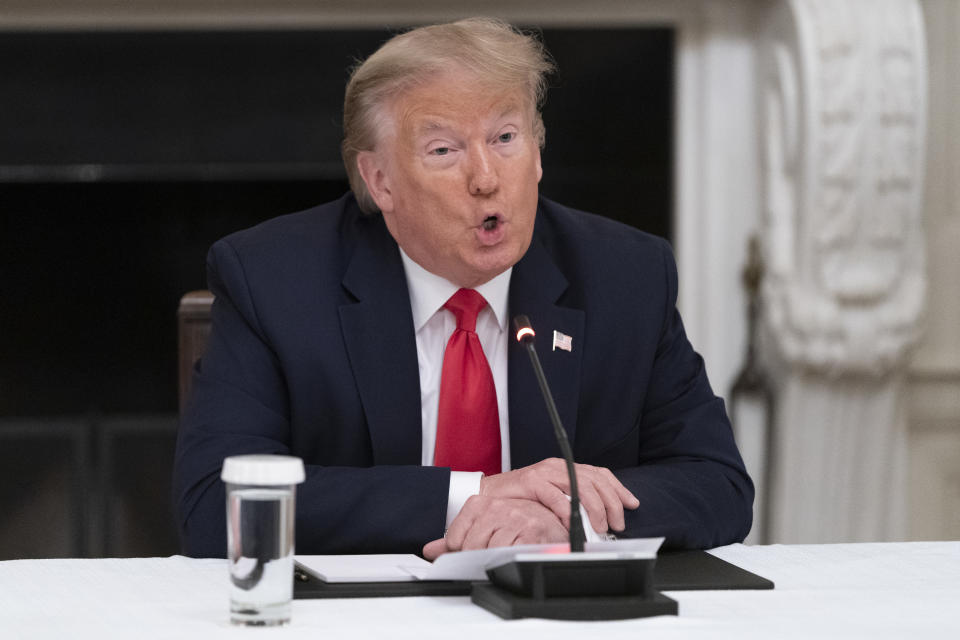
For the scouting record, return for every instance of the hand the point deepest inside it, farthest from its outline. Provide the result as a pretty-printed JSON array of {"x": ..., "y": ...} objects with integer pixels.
[
  {"x": 498, "y": 522},
  {"x": 546, "y": 482}
]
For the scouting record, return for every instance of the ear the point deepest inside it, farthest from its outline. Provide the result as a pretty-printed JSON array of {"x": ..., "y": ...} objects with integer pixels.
[
  {"x": 373, "y": 170},
  {"x": 539, "y": 166}
]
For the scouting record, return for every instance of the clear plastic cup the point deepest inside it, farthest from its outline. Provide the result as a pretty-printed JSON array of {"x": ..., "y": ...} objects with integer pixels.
[{"x": 261, "y": 498}]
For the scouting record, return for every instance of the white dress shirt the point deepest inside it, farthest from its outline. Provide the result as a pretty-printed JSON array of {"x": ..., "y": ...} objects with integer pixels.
[{"x": 433, "y": 326}]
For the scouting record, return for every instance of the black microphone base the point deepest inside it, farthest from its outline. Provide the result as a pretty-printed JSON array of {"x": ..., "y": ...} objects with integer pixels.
[
  {"x": 574, "y": 587},
  {"x": 511, "y": 606}
]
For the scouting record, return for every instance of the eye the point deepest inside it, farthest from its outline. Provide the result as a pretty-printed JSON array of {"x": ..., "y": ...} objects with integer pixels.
[
  {"x": 440, "y": 151},
  {"x": 506, "y": 137}
]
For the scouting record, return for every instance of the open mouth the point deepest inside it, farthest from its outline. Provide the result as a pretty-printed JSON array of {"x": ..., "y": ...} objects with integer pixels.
[{"x": 491, "y": 231}]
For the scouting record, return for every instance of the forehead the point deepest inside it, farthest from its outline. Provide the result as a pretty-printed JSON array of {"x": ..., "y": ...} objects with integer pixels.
[{"x": 453, "y": 100}]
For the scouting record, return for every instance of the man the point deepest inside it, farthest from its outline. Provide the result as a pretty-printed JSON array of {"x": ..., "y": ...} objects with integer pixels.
[{"x": 370, "y": 336}]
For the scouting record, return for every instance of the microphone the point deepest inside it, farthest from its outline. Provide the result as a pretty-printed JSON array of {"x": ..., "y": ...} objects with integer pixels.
[
  {"x": 525, "y": 336},
  {"x": 613, "y": 581}
]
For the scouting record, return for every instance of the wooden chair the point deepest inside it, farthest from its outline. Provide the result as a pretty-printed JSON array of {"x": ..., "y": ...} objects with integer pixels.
[{"x": 193, "y": 329}]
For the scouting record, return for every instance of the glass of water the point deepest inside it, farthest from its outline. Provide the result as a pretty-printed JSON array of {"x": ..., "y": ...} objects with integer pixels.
[{"x": 260, "y": 531}]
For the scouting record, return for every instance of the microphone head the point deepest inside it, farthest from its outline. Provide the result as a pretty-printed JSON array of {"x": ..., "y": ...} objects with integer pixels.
[{"x": 525, "y": 332}]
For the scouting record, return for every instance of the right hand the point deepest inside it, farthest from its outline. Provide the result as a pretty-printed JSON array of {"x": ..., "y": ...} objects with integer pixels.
[{"x": 498, "y": 522}]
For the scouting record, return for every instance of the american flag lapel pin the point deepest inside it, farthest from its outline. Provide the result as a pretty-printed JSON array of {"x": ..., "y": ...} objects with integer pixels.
[{"x": 562, "y": 341}]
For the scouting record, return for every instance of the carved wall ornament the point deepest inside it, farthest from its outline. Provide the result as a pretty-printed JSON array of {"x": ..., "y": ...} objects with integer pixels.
[{"x": 843, "y": 100}]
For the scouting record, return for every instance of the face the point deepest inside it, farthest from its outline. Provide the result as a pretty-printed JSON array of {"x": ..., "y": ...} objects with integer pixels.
[{"x": 455, "y": 173}]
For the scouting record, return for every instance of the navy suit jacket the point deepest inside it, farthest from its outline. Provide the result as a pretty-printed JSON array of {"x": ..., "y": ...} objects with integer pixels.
[{"x": 312, "y": 353}]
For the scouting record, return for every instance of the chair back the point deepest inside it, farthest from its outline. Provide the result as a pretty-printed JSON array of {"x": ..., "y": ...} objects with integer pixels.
[{"x": 193, "y": 329}]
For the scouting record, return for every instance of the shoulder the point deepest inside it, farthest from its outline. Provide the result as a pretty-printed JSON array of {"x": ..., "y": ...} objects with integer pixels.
[
  {"x": 323, "y": 236},
  {"x": 286, "y": 261},
  {"x": 592, "y": 249}
]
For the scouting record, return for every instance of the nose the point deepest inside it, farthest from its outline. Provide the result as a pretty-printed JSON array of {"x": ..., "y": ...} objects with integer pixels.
[{"x": 483, "y": 179}]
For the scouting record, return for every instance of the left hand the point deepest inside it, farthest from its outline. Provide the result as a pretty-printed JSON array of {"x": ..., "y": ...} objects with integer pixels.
[{"x": 602, "y": 495}]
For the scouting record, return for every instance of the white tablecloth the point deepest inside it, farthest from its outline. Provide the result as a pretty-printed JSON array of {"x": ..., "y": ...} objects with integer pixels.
[{"x": 895, "y": 590}]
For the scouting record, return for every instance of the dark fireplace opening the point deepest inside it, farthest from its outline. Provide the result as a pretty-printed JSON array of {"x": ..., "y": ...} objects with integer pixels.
[
  {"x": 124, "y": 155},
  {"x": 92, "y": 278}
]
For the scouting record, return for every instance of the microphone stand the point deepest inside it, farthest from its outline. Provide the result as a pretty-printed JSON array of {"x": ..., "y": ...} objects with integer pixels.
[
  {"x": 525, "y": 337},
  {"x": 596, "y": 585}
]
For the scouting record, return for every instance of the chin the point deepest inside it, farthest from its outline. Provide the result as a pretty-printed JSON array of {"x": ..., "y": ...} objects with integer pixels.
[{"x": 487, "y": 270}]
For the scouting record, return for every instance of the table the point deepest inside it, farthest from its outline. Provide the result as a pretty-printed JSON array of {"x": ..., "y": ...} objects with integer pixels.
[{"x": 876, "y": 590}]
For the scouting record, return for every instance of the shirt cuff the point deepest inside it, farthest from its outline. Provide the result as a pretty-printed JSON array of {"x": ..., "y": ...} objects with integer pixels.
[
  {"x": 463, "y": 484},
  {"x": 589, "y": 534}
]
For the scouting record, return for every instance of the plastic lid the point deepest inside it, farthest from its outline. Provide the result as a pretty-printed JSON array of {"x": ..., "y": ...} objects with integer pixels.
[{"x": 263, "y": 469}]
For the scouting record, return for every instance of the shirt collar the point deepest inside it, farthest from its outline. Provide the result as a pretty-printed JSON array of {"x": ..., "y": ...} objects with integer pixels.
[{"x": 429, "y": 292}]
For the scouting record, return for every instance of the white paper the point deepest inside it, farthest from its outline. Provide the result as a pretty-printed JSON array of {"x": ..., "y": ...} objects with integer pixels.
[
  {"x": 461, "y": 565},
  {"x": 472, "y": 565},
  {"x": 392, "y": 567}
]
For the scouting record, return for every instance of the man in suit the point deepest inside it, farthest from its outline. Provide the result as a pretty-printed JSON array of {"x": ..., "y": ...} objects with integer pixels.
[{"x": 370, "y": 336}]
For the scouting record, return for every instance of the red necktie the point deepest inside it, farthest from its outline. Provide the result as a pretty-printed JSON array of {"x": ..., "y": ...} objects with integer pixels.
[{"x": 468, "y": 425}]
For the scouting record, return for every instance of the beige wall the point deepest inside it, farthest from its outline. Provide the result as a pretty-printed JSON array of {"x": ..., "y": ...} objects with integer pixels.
[{"x": 934, "y": 380}]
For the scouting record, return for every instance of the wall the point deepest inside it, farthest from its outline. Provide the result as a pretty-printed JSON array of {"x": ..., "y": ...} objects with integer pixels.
[{"x": 934, "y": 374}]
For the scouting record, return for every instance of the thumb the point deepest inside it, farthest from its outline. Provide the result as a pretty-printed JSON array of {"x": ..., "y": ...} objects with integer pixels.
[{"x": 435, "y": 549}]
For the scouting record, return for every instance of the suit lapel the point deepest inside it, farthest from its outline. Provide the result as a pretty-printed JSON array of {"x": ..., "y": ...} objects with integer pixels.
[
  {"x": 379, "y": 336},
  {"x": 535, "y": 287}
]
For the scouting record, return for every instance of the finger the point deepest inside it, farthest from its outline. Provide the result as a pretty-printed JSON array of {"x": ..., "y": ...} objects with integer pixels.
[
  {"x": 605, "y": 484},
  {"x": 478, "y": 537},
  {"x": 627, "y": 499},
  {"x": 556, "y": 470},
  {"x": 554, "y": 491},
  {"x": 434, "y": 549},
  {"x": 592, "y": 500},
  {"x": 612, "y": 505},
  {"x": 458, "y": 529},
  {"x": 503, "y": 537},
  {"x": 555, "y": 500},
  {"x": 624, "y": 495}
]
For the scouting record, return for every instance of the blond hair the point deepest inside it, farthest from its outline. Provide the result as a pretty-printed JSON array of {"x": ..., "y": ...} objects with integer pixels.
[{"x": 493, "y": 50}]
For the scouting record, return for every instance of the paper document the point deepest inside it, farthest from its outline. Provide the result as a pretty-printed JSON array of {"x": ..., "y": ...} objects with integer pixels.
[
  {"x": 363, "y": 568},
  {"x": 462, "y": 565}
]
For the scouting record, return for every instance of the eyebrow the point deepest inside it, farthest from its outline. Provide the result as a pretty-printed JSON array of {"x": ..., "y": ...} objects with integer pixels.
[{"x": 431, "y": 126}]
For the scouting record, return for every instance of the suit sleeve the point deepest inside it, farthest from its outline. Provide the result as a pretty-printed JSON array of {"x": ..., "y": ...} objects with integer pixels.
[
  {"x": 239, "y": 405},
  {"x": 690, "y": 479}
]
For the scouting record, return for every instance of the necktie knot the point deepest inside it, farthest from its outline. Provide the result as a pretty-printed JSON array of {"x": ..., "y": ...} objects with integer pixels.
[{"x": 465, "y": 305}]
